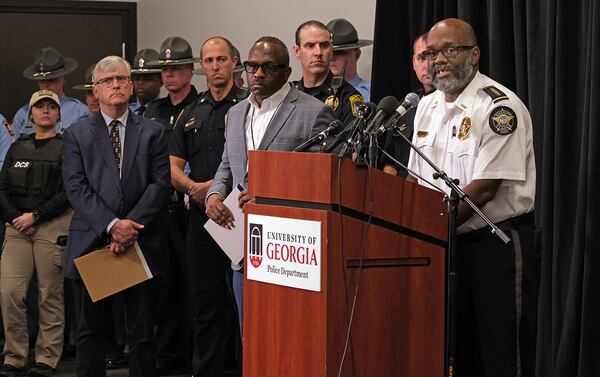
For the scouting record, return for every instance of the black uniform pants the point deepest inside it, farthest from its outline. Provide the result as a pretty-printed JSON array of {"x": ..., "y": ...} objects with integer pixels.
[
  {"x": 171, "y": 307},
  {"x": 208, "y": 268},
  {"x": 140, "y": 305},
  {"x": 497, "y": 301}
]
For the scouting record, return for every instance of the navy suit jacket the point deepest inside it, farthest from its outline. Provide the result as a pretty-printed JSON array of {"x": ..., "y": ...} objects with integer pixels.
[{"x": 98, "y": 195}]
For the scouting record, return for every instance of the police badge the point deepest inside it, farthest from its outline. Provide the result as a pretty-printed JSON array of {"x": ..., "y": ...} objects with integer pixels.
[
  {"x": 465, "y": 128},
  {"x": 332, "y": 102}
]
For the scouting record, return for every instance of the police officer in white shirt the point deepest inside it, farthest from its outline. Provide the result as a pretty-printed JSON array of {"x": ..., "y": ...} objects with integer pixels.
[{"x": 480, "y": 133}]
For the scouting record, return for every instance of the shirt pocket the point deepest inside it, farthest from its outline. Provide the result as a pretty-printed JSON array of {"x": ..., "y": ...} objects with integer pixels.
[
  {"x": 461, "y": 156},
  {"x": 192, "y": 136}
]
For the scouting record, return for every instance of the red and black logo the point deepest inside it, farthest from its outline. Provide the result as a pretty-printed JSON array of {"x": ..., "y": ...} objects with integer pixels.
[{"x": 255, "y": 244}]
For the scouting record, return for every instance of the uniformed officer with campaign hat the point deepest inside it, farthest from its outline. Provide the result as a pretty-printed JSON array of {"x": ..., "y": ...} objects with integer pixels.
[
  {"x": 87, "y": 85},
  {"x": 346, "y": 52},
  {"x": 177, "y": 64},
  {"x": 146, "y": 77},
  {"x": 49, "y": 69}
]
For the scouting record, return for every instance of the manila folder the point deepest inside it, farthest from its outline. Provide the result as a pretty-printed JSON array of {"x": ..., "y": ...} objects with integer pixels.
[{"x": 105, "y": 273}]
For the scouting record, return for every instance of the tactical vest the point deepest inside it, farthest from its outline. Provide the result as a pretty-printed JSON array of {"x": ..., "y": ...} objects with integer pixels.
[{"x": 35, "y": 172}]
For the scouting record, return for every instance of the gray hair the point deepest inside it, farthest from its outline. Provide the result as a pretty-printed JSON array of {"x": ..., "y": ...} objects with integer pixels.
[{"x": 109, "y": 64}]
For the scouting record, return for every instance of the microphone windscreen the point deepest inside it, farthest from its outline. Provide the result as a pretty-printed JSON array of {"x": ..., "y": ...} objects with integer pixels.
[
  {"x": 413, "y": 99},
  {"x": 388, "y": 105}
]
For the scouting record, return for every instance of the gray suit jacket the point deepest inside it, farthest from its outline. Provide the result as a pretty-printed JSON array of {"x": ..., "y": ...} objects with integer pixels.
[{"x": 298, "y": 118}]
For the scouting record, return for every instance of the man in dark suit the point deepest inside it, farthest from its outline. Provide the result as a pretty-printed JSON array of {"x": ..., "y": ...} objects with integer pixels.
[
  {"x": 116, "y": 174},
  {"x": 275, "y": 117}
]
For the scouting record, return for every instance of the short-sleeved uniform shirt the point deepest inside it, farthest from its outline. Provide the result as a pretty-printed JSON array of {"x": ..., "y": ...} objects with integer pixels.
[
  {"x": 363, "y": 86},
  {"x": 199, "y": 133},
  {"x": 485, "y": 134},
  {"x": 343, "y": 102}
]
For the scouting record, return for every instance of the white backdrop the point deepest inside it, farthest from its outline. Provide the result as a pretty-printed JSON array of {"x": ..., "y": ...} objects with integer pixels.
[{"x": 245, "y": 21}]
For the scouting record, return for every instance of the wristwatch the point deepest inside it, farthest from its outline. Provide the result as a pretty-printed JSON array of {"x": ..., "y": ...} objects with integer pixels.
[{"x": 36, "y": 216}]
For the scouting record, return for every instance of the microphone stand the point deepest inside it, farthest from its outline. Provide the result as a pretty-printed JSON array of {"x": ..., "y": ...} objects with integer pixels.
[{"x": 456, "y": 196}]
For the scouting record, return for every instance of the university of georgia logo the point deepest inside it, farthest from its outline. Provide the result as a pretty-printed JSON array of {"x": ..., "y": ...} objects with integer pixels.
[{"x": 255, "y": 245}]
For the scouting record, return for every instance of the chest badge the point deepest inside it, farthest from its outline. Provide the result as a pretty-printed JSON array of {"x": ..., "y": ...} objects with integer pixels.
[
  {"x": 422, "y": 133},
  {"x": 503, "y": 120},
  {"x": 465, "y": 128},
  {"x": 332, "y": 102}
]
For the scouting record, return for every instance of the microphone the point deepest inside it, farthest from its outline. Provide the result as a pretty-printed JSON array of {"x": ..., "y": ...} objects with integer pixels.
[
  {"x": 333, "y": 128},
  {"x": 385, "y": 108},
  {"x": 364, "y": 111},
  {"x": 411, "y": 100}
]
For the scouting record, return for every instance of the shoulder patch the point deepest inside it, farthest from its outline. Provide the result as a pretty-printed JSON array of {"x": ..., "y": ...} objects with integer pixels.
[
  {"x": 355, "y": 99},
  {"x": 496, "y": 94},
  {"x": 503, "y": 120}
]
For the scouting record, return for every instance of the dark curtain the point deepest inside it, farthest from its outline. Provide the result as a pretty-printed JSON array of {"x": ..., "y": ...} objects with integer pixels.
[{"x": 548, "y": 52}]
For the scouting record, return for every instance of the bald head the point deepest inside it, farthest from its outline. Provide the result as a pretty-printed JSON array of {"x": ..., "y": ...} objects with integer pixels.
[{"x": 458, "y": 31}]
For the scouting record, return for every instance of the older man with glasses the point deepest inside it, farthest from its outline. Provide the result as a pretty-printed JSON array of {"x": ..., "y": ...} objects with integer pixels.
[{"x": 116, "y": 177}]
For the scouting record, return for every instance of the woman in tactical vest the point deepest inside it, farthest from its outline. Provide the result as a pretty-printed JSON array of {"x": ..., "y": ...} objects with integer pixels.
[{"x": 37, "y": 215}]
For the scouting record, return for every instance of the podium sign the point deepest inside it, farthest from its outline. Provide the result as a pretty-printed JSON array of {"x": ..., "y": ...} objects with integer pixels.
[{"x": 284, "y": 251}]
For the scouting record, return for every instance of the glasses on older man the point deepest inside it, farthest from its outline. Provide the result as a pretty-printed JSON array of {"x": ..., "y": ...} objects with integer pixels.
[
  {"x": 108, "y": 81},
  {"x": 448, "y": 52},
  {"x": 267, "y": 68}
]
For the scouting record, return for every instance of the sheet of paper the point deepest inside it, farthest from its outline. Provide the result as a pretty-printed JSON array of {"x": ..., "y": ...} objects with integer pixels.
[
  {"x": 105, "y": 273},
  {"x": 230, "y": 240}
]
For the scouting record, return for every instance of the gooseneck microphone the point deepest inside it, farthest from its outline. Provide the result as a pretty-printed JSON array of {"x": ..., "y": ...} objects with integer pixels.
[{"x": 385, "y": 108}]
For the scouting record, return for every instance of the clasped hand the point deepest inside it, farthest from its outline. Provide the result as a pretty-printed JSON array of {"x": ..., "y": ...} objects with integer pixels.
[{"x": 123, "y": 234}]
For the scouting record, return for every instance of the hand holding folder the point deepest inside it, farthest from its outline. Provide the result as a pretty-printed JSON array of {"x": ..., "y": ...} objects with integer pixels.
[{"x": 105, "y": 273}]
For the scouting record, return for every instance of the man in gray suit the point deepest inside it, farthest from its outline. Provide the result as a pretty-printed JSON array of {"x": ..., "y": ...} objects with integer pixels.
[{"x": 275, "y": 117}]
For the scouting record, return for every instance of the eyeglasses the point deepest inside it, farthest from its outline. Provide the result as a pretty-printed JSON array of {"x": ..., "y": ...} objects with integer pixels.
[
  {"x": 267, "y": 68},
  {"x": 448, "y": 52},
  {"x": 108, "y": 81}
]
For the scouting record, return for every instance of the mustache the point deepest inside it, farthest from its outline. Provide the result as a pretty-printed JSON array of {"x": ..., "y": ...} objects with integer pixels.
[{"x": 440, "y": 67}]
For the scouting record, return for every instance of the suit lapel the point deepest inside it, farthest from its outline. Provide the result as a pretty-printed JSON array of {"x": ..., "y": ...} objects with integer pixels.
[
  {"x": 244, "y": 155},
  {"x": 99, "y": 131},
  {"x": 279, "y": 118},
  {"x": 133, "y": 129}
]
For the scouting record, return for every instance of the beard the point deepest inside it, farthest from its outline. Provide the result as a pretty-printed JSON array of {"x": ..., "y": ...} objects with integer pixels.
[{"x": 461, "y": 75}]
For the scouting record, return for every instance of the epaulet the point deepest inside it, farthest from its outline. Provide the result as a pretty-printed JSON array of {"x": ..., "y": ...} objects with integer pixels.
[{"x": 496, "y": 94}]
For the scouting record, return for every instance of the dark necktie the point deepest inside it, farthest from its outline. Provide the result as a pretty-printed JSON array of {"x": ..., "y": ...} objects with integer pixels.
[
  {"x": 141, "y": 110},
  {"x": 115, "y": 141}
]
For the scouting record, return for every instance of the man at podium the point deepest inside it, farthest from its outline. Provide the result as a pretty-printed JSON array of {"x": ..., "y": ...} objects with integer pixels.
[
  {"x": 276, "y": 116},
  {"x": 480, "y": 133}
]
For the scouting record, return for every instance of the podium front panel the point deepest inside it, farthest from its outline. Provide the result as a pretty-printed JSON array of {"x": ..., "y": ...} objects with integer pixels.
[{"x": 398, "y": 316}]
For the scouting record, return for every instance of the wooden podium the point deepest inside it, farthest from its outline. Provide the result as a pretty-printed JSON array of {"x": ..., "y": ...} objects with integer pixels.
[{"x": 398, "y": 324}]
